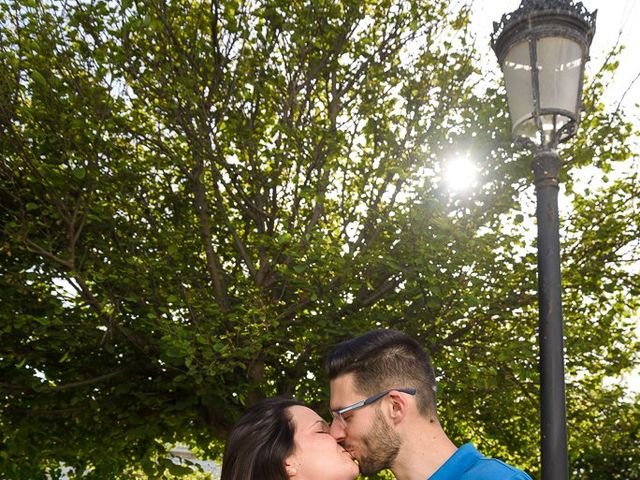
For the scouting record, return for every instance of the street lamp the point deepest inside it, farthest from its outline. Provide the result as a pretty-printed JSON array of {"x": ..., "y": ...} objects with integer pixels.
[{"x": 542, "y": 48}]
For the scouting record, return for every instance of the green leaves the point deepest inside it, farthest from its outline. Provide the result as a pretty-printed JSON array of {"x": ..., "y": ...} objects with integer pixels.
[
  {"x": 40, "y": 80},
  {"x": 79, "y": 173},
  {"x": 199, "y": 200}
]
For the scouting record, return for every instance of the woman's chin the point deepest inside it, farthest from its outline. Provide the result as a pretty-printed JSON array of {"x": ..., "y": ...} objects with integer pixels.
[{"x": 354, "y": 467}]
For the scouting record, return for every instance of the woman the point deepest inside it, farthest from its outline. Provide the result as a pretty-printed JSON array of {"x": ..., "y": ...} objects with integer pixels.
[{"x": 281, "y": 439}]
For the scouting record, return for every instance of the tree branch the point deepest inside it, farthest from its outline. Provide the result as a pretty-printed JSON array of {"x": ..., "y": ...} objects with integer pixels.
[{"x": 213, "y": 264}]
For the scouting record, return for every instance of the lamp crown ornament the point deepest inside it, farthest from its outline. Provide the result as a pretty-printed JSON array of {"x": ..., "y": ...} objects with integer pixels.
[{"x": 530, "y": 9}]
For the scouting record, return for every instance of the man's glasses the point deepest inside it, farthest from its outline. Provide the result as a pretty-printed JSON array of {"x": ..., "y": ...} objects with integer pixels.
[{"x": 337, "y": 414}]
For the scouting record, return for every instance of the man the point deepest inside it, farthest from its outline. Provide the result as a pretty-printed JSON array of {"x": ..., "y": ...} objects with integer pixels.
[{"x": 384, "y": 413}]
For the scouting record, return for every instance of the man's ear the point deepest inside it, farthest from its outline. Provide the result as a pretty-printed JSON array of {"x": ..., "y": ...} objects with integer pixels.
[{"x": 398, "y": 406}]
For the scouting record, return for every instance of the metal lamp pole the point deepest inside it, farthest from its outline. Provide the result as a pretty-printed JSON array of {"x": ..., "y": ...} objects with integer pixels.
[
  {"x": 554, "y": 452},
  {"x": 542, "y": 48}
]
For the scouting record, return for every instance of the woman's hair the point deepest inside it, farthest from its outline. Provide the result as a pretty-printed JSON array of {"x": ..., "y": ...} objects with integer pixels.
[{"x": 260, "y": 442}]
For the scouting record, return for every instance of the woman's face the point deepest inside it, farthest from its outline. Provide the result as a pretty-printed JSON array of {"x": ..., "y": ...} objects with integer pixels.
[{"x": 317, "y": 456}]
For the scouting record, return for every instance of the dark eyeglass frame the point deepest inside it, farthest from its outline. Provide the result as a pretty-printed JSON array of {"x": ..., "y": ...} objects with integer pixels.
[{"x": 337, "y": 414}]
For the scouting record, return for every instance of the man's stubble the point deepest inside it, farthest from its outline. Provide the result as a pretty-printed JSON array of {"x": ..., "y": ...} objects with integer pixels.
[{"x": 381, "y": 444}]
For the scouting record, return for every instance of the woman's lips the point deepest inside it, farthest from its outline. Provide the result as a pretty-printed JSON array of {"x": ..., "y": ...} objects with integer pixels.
[{"x": 355, "y": 460}]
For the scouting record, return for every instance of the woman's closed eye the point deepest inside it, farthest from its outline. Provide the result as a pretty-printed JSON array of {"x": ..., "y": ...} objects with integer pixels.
[{"x": 323, "y": 427}]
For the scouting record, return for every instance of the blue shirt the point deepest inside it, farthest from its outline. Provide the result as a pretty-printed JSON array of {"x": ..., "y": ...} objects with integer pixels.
[{"x": 469, "y": 464}]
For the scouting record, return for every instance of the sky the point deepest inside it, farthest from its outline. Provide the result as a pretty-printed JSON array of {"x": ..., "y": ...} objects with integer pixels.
[{"x": 617, "y": 20}]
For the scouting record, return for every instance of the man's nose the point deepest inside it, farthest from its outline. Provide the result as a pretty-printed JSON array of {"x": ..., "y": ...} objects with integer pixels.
[{"x": 337, "y": 430}]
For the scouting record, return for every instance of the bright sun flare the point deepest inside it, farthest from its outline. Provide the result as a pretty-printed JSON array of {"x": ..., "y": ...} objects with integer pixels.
[{"x": 460, "y": 173}]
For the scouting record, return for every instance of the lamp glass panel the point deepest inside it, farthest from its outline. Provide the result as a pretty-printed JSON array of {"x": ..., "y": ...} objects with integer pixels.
[
  {"x": 551, "y": 124},
  {"x": 559, "y": 67},
  {"x": 527, "y": 128},
  {"x": 517, "y": 78}
]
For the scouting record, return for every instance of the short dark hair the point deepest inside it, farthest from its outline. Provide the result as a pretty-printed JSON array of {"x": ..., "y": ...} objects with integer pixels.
[
  {"x": 260, "y": 442},
  {"x": 383, "y": 359}
]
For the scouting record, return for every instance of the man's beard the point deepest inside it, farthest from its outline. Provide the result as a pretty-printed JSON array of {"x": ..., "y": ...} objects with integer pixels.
[{"x": 381, "y": 444}]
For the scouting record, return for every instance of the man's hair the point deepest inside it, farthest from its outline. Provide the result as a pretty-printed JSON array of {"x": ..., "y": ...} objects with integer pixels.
[
  {"x": 260, "y": 442},
  {"x": 383, "y": 359}
]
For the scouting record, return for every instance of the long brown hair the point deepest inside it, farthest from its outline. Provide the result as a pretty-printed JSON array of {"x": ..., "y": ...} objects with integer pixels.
[{"x": 260, "y": 442}]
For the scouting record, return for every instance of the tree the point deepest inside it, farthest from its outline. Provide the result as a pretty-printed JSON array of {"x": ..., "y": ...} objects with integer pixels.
[{"x": 199, "y": 198}]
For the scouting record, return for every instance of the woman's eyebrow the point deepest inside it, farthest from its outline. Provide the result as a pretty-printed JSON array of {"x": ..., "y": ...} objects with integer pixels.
[{"x": 321, "y": 422}]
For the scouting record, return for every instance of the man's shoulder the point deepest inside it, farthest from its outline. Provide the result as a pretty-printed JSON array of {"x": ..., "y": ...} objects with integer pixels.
[
  {"x": 467, "y": 463},
  {"x": 478, "y": 467},
  {"x": 492, "y": 468}
]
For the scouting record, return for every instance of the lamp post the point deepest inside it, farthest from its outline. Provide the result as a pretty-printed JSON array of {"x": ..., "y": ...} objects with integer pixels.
[{"x": 542, "y": 48}]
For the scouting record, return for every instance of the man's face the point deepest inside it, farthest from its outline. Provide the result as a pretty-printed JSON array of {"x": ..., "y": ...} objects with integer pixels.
[{"x": 365, "y": 433}]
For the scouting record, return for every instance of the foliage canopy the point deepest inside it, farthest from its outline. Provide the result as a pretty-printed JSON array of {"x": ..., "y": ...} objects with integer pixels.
[{"x": 199, "y": 198}]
